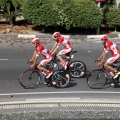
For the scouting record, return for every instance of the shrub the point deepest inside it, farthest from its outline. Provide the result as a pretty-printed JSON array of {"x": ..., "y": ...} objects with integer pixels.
[
  {"x": 113, "y": 17},
  {"x": 40, "y": 12},
  {"x": 85, "y": 14},
  {"x": 65, "y": 13}
]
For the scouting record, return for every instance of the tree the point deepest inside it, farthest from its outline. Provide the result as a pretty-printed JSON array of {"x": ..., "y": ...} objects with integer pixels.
[{"x": 11, "y": 9}]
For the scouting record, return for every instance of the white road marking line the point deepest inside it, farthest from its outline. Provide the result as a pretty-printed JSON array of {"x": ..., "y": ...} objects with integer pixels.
[
  {"x": 67, "y": 36},
  {"x": 94, "y": 36},
  {"x": 64, "y": 92},
  {"x": 26, "y": 36},
  {"x": 52, "y": 99},
  {"x": 3, "y": 59}
]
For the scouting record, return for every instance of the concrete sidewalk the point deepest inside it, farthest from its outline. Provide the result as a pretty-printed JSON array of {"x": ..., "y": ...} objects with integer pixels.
[{"x": 111, "y": 35}]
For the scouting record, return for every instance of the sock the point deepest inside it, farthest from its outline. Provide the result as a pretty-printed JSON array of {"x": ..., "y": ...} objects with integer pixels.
[{"x": 116, "y": 71}]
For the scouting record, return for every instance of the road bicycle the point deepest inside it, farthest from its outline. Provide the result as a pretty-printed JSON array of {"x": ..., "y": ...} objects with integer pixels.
[
  {"x": 76, "y": 68},
  {"x": 102, "y": 77},
  {"x": 31, "y": 78}
]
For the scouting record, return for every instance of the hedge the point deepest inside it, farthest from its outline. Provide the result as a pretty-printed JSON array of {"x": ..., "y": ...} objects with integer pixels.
[
  {"x": 66, "y": 13},
  {"x": 112, "y": 17}
]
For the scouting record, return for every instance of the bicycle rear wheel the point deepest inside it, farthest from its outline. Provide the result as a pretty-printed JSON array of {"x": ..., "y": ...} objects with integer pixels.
[
  {"x": 97, "y": 79},
  {"x": 29, "y": 79},
  {"x": 61, "y": 78},
  {"x": 77, "y": 69}
]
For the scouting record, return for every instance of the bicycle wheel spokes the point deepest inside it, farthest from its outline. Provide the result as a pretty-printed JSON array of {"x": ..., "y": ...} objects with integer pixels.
[
  {"x": 96, "y": 79},
  {"x": 77, "y": 69},
  {"x": 29, "y": 79},
  {"x": 61, "y": 77}
]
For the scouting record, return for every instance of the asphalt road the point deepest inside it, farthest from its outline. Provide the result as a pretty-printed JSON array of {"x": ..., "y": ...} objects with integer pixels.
[{"x": 13, "y": 61}]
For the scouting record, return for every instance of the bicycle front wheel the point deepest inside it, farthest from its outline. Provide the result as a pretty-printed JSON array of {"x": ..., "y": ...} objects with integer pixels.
[
  {"x": 77, "y": 69},
  {"x": 29, "y": 79},
  {"x": 96, "y": 79},
  {"x": 61, "y": 78}
]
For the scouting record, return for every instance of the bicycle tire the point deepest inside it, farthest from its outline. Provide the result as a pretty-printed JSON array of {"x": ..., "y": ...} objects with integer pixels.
[
  {"x": 61, "y": 78},
  {"x": 30, "y": 79},
  {"x": 77, "y": 69},
  {"x": 97, "y": 79}
]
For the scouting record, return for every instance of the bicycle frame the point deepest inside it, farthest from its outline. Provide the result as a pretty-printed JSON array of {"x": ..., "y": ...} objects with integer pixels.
[
  {"x": 105, "y": 70},
  {"x": 31, "y": 78},
  {"x": 75, "y": 68}
]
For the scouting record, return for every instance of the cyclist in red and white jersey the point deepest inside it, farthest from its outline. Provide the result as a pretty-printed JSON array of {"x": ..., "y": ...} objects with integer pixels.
[
  {"x": 114, "y": 50},
  {"x": 40, "y": 49},
  {"x": 67, "y": 47}
]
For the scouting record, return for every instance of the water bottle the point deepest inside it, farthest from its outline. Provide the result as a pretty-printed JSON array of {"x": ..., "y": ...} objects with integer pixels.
[{"x": 55, "y": 65}]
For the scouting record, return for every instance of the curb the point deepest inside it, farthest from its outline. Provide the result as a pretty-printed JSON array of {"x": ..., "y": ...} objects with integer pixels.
[
  {"x": 65, "y": 110},
  {"x": 67, "y": 36},
  {"x": 62, "y": 101}
]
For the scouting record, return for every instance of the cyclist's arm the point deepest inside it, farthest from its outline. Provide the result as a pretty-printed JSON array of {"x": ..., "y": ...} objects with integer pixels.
[
  {"x": 103, "y": 56},
  {"x": 55, "y": 50},
  {"x": 35, "y": 60},
  {"x": 55, "y": 45},
  {"x": 33, "y": 57}
]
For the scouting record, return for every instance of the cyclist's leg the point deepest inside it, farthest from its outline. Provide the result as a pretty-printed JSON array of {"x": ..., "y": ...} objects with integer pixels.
[
  {"x": 109, "y": 67},
  {"x": 63, "y": 52},
  {"x": 42, "y": 63},
  {"x": 112, "y": 60},
  {"x": 68, "y": 56},
  {"x": 117, "y": 73}
]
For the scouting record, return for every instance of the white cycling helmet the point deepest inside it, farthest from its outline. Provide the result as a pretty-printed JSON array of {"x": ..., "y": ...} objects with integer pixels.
[
  {"x": 36, "y": 41},
  {"x": 56, "y": 34}
]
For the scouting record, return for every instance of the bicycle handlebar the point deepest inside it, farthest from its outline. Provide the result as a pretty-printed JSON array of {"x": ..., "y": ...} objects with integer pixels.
[
  {"x": 100, "y": 66},
  {"x": 31, "y": 62},
  {"x": 74, "y": 52}
]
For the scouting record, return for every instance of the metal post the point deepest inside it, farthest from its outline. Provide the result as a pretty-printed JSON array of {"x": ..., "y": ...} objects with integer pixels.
[
  {"x": 98, "y": 29},
  {"x": 117, "y": 3}
]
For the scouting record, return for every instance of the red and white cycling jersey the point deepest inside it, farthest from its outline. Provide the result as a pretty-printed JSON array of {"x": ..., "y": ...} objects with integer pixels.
[
  {"x": 64, "y": 41},
  {"x": 41, "y": 49},
  {"x": 112, "y": 47}
]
